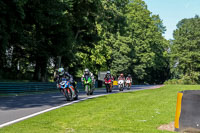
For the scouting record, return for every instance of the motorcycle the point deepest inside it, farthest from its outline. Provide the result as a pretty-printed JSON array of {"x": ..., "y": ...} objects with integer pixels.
[
  {"x": 121, "y": 85},
  {"x": 128, "y": 83},
  {"x": 108, "y": 84},
  {"x": 87, "y": 81},
  {"x": 68, "y": 90}
]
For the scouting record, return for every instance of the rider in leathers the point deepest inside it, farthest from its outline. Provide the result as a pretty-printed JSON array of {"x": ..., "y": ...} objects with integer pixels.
[
  {"x": 129, "y": 78},
  {"x": 62, "y": 74},
  {"x": 121, "y": 77},
  {"x": 108, "y": 75},
  {"x": 87, "y": 72}
]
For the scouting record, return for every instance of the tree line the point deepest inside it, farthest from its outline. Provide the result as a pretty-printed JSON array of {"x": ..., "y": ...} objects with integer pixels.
[
  {"x": 118, "y": 35},
  {"x": 184, "y": 52}
]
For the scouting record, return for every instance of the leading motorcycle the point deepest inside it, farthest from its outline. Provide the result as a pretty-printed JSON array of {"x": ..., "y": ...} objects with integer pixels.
[{"x": 68, "y": 90}]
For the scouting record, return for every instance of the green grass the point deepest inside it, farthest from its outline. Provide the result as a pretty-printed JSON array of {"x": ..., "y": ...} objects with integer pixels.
[{"x": 138, "y": 112}]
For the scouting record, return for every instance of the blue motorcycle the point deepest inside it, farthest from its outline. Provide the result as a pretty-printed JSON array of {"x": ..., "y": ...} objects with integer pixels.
[{"x": 68, "y": 90}]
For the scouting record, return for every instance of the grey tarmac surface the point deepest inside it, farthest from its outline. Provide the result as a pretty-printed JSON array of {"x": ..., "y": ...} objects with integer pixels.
[{"x": 15, "y": 107}]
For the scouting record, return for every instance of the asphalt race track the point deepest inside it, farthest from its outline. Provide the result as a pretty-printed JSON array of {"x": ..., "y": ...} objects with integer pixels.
[{"x": 17, "y": 108}]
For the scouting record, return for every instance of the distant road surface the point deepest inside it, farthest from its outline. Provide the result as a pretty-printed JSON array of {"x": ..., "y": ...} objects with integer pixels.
[{"x": 17, "y": 108}]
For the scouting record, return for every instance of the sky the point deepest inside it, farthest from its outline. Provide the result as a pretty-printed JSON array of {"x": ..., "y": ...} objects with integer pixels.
[{"x": 172, "y": 11}]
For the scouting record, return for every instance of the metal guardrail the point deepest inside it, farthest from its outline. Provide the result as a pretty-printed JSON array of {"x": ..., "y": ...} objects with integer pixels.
[
  {"x": 18, "y": 87},
  {"x": 21, "y": 87}
]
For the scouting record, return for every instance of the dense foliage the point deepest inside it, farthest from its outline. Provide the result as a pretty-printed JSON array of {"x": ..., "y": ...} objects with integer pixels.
[
  {"x": 185, "y": 61},
  {"x": 118, "y": 35}
]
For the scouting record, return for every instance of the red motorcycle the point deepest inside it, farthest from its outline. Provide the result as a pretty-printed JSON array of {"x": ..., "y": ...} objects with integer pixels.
[{"x": 108, "y": 84}]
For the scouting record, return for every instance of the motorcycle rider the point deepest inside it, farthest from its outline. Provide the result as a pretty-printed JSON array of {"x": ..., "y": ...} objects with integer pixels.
[
  {"x": 108, "y": 75},
  {"x": 63, "y": 74},
  {"x": 87, "y": 72},
  {"x": 129, "y": 78},
  {"x": 121, "y": 77}
]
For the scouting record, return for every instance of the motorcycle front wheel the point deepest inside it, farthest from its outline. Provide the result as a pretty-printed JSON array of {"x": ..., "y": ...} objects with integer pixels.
[
  {"x": 107, "y": 88},
  {"x": 121, "y": 88},
  {"x": 91, "y": 92},
  {"x": 110, "y": 88},
  {"x": 68, "y": 95},
  {"x": 87, "y": 90},
  {"x": 76, "y": 97},
  {"x": 129, "y": 87}
]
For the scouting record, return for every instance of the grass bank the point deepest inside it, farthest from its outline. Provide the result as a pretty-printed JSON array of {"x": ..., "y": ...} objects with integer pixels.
[{"x": 139, "y": 112}]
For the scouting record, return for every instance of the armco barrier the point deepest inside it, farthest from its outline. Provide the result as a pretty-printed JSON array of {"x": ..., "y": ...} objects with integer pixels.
[
  {"x": 187, "y": 117},
  {"x": 18, "y": 87},
  {"x": 21, "y": 87}
]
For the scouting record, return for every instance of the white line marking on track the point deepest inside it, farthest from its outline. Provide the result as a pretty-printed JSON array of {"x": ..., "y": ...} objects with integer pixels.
[{"x": 38, "y": 113}]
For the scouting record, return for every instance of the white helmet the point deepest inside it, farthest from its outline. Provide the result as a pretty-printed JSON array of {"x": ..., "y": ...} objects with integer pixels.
[
  {"x": 86, "y": 71},
  {"x": 108, "y": 72}
]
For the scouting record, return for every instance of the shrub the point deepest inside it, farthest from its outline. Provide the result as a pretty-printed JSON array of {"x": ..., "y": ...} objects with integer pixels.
[{"x": 184, "y": 81}]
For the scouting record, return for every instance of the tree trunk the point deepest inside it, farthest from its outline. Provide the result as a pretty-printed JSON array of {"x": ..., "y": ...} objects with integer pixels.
[
  {"x": 44, "y": 77},
  {"x": 37, "y": 70}
]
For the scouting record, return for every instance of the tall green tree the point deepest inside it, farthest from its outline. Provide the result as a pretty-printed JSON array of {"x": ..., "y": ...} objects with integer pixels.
[
  {"x": 12, "y": 15},
  {"x": 117, "y": 35},
  {"x": 185, "y": 49},
  {"x": 148, "y": 46}
]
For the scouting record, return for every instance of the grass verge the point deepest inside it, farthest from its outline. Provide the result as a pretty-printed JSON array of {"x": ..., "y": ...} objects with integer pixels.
[{"x": 139, "y": 112}]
